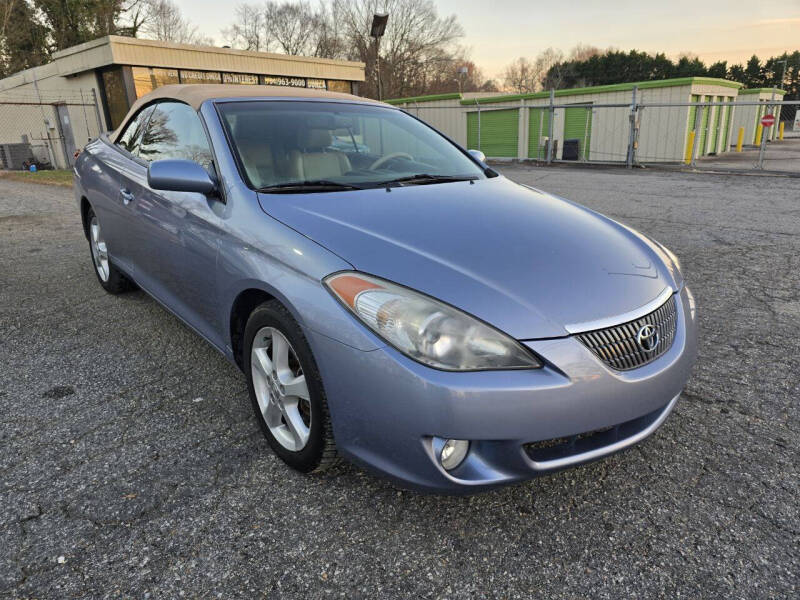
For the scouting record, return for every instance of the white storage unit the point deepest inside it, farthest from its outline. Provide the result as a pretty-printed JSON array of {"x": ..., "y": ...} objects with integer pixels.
[
  {"x": 747, "y": 117},
  {"x": 586, "y": 130}
]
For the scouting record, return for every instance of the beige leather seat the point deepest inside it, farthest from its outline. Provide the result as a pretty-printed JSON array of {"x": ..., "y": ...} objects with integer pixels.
[
  {"x": 254, "y": 150},
  {"x": 315, "y": 160}
]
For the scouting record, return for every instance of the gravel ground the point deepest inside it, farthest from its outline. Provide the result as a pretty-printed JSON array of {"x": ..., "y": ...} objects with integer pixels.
[{"x": 130, "y": 465}]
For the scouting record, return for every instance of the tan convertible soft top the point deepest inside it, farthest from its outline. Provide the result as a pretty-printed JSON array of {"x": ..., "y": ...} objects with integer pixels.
[{"x": 195, "y": 94}]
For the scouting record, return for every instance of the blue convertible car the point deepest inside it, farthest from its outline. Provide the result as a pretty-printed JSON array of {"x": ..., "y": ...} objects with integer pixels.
[{"x": 390, "y": 298}]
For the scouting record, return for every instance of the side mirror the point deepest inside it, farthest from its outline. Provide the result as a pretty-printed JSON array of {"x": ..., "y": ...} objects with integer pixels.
[
  {"x": 179, "y": 176},
  {"x": 477, "y": 155}
]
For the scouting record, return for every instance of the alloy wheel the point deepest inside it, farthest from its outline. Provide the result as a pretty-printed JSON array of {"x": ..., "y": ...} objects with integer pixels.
[
  {"x": 99, "y": 250},
  {"x": 281, "y": 389}
]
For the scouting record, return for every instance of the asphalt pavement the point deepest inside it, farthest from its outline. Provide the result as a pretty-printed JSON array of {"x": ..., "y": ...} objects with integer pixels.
[{"x": 131, "y": 466}]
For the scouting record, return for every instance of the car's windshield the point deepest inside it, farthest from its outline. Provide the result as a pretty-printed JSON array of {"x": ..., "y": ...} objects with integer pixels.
[{"x": 338, "y": 146}]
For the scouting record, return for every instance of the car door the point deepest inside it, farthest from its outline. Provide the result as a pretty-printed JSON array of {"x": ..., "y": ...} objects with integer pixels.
[
  {"x": 177, "y": 233},
  {"x": 119, "y": 169}
]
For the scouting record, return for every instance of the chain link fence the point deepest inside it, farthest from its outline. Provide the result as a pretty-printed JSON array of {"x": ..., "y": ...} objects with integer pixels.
[
  {"x": 711, "y": 133},
  {"x": 44, "y": 128}
]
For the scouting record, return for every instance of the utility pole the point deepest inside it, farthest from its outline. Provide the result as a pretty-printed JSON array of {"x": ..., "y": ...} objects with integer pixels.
[
  {"x": 550, "y": 128},
  {"x": 632, "y": 130}
]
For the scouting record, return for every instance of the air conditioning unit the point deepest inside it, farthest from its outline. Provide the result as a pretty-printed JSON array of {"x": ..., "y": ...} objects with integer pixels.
[{"x": 13, "y": 156}]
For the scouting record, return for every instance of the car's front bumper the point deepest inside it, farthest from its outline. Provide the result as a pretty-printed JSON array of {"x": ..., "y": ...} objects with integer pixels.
[{"x": 389, "y": 412}]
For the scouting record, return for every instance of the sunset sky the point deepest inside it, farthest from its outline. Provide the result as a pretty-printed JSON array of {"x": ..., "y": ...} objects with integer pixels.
[{"x": 497, "y": 31}]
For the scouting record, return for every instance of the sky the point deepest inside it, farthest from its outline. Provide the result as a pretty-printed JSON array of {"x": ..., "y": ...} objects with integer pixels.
[{"x": 498, "y": 31}]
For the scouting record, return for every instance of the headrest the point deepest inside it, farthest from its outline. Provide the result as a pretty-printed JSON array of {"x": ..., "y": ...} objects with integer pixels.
[
  {"x": 315, "y": 138},
  {"x": 250, "y": 127}
]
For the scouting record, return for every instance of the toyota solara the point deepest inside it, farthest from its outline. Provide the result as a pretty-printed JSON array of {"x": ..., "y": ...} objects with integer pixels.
[{"x": 390, "y": 298}]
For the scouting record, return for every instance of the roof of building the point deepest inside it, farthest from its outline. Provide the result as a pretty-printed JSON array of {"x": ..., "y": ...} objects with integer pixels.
[
  {"x": 114, "y": 49},
  {"x": 762, "y": 91},
  {"x": 120, "y": 50},
  {"x": 194, "y": 94},
  {"x": 477, "y": 98},
  {"x": 617, "y": 87},
  {"x": 446, "y": 96}
]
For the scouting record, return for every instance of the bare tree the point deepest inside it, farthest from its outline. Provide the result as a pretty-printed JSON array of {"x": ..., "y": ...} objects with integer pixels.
[
  {"x": 247, "y": 32},
  {"x": 583, "y": 52},
  {"x": 521, "y": 76},
  {"x": 291, "y": 27},
  {"x": 417, "y": 52},
  {"x": 548, "y": 66},
  {"x": 133, "y": 16},
  {"x": 165, "y": 22},
  {"x": 288, "y": 27},
  {"x": 417, "y": 42}
]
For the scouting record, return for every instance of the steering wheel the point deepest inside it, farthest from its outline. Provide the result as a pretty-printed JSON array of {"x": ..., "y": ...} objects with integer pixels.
[{"x": 384, "y": 159}]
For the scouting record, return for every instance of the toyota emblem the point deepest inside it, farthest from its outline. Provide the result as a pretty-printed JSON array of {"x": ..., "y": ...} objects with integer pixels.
[{"x": 647, "y": 337}]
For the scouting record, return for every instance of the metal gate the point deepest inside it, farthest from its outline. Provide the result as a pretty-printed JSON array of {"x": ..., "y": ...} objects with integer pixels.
[
  {"x": 538, "y": 129},
  {"x": 45, "y": 127}
]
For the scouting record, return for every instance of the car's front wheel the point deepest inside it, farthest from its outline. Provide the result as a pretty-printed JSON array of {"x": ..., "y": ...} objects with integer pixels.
[
  {"x": 286, "y": 389},
  {"x": 112, "y": 280}
]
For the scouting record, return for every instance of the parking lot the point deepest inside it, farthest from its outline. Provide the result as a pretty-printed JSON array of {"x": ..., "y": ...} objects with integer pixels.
[{"x": 131, "y": 466}]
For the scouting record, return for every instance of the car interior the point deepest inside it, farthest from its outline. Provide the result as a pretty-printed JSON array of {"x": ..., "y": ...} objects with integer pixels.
[{"x": 277, "y": 147}]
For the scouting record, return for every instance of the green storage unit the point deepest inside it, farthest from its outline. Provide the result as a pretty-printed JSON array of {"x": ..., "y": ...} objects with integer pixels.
[
  {"x": 701, "y": 144},
  {"x": 726, "y": 131},
  {"x": 578, "y": 125},
  {"x": 538, "y": 129},
  {"x": 717, "y": 124},
  {"x": 499, "y": 132}
]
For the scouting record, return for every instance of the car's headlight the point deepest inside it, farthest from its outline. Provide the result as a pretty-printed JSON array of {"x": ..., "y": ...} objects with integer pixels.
[{"x": 427, "y": 330}]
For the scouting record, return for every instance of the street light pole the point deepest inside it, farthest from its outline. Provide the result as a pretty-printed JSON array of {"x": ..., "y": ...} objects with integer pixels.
[
  {"x": 377, "y": 30},
  {"x": 378, "y": 67}
]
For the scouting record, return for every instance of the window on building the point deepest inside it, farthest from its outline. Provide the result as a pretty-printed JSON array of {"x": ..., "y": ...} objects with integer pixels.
[
  {"x": 335, "y": 85},
  {"x": 116, "y": 97},
  {"x": 132, "y": 135},
  {"x": 200, "y": 76},
  {"x": 175, "y": 131},
  {"x": 146, "y": 79}
]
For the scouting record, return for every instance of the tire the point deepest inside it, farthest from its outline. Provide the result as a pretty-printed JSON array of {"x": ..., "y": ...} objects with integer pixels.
[
  {"x": 111, "y": 278},
  {"x": 307, "y": 445}
]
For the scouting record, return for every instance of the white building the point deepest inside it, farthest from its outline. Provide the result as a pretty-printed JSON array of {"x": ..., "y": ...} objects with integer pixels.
[{"x": 518, "y": 126}]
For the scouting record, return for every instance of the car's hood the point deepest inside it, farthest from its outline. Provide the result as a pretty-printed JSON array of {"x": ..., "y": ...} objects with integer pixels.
[{"x": 526, "y": 262}]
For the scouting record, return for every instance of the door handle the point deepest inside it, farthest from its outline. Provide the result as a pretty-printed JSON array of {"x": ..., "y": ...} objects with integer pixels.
[{"x": 127, "y": 196}]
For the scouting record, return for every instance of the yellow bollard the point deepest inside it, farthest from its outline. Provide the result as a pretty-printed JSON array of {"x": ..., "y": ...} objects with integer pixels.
[
  {"x": 689, "y": 145},
  {"x": 740, "y": 140},
  {"x": 759, "y": 133},
  {"x": 780, "y": 130}
]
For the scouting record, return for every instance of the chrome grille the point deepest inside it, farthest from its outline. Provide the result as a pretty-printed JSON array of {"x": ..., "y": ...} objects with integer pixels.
[{"x": 617, "y": 345}]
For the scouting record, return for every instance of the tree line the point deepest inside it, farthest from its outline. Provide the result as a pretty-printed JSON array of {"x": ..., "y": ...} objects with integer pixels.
[
  {"x": 588, "y": 66},
  {"x": 420, "y": 53}
]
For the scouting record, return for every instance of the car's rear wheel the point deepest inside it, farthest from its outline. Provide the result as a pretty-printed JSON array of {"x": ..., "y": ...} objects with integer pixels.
[
  {"x": 286, "y": 390},
  {"x": 112, "y": 280}
]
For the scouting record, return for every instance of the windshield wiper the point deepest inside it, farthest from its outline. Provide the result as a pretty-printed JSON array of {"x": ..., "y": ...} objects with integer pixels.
[
  {"x": 317, "y": 185},
  {"x": 427, "y": 178}
]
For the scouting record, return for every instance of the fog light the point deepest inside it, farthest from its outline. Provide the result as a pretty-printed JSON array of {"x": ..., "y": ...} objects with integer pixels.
[{"x": 453, "y": 453}]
